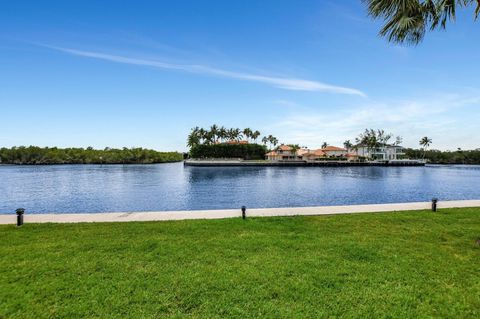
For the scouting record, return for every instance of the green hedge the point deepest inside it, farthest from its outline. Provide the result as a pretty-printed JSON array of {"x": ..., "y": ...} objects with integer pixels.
[
  {"x": 244, "y": 151},
  {"x": 54, "y": 155}
]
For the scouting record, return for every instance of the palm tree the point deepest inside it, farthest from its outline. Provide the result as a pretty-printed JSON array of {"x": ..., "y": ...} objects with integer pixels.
[
  {"x": 231, "y": 134},
  {"x": 294, "y": 148},
  {"x": 214, "y": 133},
  {"x": 406, "y": 21},
  {"x": 383, "y": 138},
  {"x": 247, "y": 132},
  {"x": 209, "y": 138},
  {"x": 222, "y": 133},
  {"x": 237, "y": 134},
  {"x": 194, "y": 137},
  {"x": 202, "y": 134},
  {"x": 368, "y": 139},
  {"x": 273, "y": 140},
  {"x": 255, "y": 135},
  {"x": 270, "y": 140},
  {"x": 373, "y": 141},
  {"x": 324, "y": 145},
  {"x": 265, "y": 140},
  {"x": 347, "y": 144},
  {"x": 425, "y": 143}
]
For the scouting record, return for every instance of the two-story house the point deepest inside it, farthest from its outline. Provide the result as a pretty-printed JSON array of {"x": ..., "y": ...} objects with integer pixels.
[{"x": 383, "y": 152}]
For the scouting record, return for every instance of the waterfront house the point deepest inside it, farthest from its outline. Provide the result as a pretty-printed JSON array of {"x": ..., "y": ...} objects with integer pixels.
[
  {"x": 334, "y": 151},
  {"x": 273, "y": 156},
  {"x": 326, "y": 152},
  {"x": 383, "y": 152},
  {"x": 313, "y": 155},
  {"x": 283, "y": 152},
  {"x": 301, "y": 153}
]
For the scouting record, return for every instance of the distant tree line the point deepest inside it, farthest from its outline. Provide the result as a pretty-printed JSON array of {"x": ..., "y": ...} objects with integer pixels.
[
  {"x": 445, "y": 157},
  {"x": 54, "y": 155}
]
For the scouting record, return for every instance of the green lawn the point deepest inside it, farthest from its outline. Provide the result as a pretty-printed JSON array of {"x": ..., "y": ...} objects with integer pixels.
[{"x": 411, "y": 264}]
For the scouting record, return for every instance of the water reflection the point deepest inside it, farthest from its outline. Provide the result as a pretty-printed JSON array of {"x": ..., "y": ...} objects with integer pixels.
[
  {"x": 98, "y": 188},
  {"x": 201, "y": 174}
]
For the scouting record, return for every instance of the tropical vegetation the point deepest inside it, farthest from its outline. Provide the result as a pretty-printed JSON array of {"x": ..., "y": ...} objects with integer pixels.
[
  {"x": 403, "y": 265},
  {"x": 223, "y": 150},
  {"x": 425, "y": 143},
  {"x": 294, "y": 149},
  {"x": 222, "y": 142},
  {"x": 348, "y": 145},
  {"x": 406, "y": 21},
  {"x": 271, "y": 140},
  {"x": 458, "y": 156},
  {"x": 55, "y": 155},
  {"x": 372, "y": 139},
  {"x": 217, "y": 135}
]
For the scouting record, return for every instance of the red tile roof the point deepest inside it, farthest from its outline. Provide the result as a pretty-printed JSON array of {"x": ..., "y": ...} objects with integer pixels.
[
  {"x": 333, "y": 148},
  {"x": 315, "y": 153},
  {"x": 319, "y": 152},
  {"x": 284, "y": 148},
  {"x": 236, "y": 142},
  {"x": 302, "y": 151}
]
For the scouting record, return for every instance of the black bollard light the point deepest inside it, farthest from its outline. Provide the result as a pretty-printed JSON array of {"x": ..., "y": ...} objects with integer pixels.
[
  {"x": 20, "y": 212},
  {"x": 244, "y": 209},
  {"x": 434, "y": 204}
]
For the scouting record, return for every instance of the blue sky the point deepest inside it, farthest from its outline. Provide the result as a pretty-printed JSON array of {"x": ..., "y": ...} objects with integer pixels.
[{"x": 142, "y": 73}]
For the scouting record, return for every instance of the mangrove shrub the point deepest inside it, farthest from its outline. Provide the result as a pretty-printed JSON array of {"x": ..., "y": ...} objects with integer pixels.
[{"x": 54, "y": 155}]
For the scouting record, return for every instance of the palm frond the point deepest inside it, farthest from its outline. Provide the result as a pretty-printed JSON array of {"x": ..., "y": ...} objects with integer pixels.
[{"x": 407, "y": 20}]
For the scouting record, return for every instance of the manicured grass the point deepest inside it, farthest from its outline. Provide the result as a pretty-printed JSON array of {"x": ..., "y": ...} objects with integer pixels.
[{"x": 411, "y": 264}]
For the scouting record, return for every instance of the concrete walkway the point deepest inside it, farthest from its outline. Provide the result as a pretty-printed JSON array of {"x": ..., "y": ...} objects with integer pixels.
[{"x": 230, "y": 213}]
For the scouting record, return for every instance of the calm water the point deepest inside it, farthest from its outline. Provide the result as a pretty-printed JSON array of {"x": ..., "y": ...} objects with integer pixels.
[{"x": 97, "y": 188}]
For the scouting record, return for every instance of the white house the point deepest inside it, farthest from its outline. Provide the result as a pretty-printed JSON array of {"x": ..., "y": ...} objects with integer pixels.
[{"x": 385, "y": 152}]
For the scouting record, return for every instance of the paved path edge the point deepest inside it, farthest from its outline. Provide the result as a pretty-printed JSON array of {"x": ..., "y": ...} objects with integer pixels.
[{"x": 231, "y": 213}]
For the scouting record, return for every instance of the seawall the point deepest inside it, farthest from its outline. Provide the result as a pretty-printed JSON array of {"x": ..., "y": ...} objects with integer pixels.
[{"x": 239, "y": 163}]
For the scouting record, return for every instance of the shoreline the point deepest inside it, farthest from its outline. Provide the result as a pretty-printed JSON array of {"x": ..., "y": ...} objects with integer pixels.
[
  {"x": 300, "y": 163},
  {"x": 247, "y": 163},
  {"x": 52, "y": 164},
  {"x": 232, "y": 213}
]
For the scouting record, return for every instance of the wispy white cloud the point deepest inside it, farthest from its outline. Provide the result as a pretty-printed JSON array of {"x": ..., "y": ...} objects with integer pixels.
[{"x": 279, "y": 82}]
